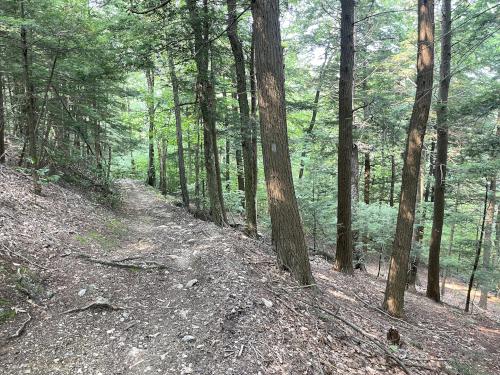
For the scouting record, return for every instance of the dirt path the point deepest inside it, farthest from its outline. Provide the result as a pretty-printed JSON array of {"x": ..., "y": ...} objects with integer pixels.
[{"x": 206, "y": 300}]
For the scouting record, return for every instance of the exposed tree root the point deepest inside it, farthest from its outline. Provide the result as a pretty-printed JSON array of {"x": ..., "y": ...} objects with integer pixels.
[
  {"x": 21, "y": 329},
  {"x": 147, "y": 265}
]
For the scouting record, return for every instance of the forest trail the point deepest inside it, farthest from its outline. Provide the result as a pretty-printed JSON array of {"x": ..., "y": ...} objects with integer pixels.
[{"x": 208, "y": 300}]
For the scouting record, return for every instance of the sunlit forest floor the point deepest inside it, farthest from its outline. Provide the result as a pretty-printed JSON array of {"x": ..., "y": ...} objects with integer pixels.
[{"x": 147, "y": 288}]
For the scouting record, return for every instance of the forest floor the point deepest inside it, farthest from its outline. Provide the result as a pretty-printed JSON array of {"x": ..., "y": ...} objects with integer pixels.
[{"x": 147, "y": 288}]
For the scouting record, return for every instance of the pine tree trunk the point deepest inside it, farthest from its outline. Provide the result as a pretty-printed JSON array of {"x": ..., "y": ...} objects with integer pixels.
[
  {"x": 309, "y": 130},
  {"x": 253, "y": 110},
  {"x": 29, "y": 90},
  {"x": 178, "y": 129},
  {"x": 227, "y": 161},
  {"x": 206, "y": 96},
  {"x": 2, "y": 122},
  {"x": 343, "y": 254},
  {"x": 418, "y": 232},
  {"x": 394, "y": 293},
  {"x": 450, "y": 246},
  {"x": 151, "y": 178},
  {"x": 393, "y": 181},
  {"x": 442, "y": 154},
  {"x": 478, "y": 252},
  {"x": 366, "y": 191},
  {"x": 286, "y": 224},
  {"x": 429, "y": 194},
  {"x": 197, "y": 167},
  {"x": 488, "y": 230},
  {"x": 245, "y": 120}
]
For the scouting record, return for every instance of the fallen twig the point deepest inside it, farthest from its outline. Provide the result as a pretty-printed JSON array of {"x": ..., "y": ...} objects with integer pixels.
[
  {"x": 373, "y": 338},
  {"x": 24, "y": 258},
  {"x": 21, "y": 329},
  {"x": 387, "y": 314},
  {"x": 99, "y": 303}
]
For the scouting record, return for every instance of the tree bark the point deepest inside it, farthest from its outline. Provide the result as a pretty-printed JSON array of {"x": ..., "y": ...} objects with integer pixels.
[
  {"x": 478, "y": 252},
  {"x": 488, "y": 230},
  {"x": 394, "y": 293},
  {"x": 418, "y": 232},
  {"x": 429, "y": 194},
  {"x": 343, "y": 254},
  {"x": 286, "y": 224},
  {"x": 309, "y": 130},
  {"x": 162, "y": 159},
  {"x": 151, "y": 178},
  {"x": 178, "y": 129},
  {"x": 366, "y": 195},
  {"x": 246, "y": 127},
  {"x": 2, "y": 122},
  {"x": 450, "y": 245},
  {"x": 206, "y": 97},
  {"x": 393, "y": 181},
  {"x": 29, "y": 92},
  {"x": 442, "y": 154},
  {"x": 197, "y": 167}
]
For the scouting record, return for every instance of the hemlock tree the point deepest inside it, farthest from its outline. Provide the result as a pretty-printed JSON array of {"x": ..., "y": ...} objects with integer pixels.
[
  {"x": 178, "y": 128},
  {"x": 343, "y": 254},
  {"x": 442, "y": 153},
  {"x": 396, "y": 281},
  {"x": 206, "y": 95},
  {"x": 247, "y": 126},
  {"x": 287, "y": 232}
]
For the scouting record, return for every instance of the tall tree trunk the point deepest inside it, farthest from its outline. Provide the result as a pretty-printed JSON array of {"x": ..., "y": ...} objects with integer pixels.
[
  {"x": 478, "y": 252},
  {"x": 343, "y": 254},
  {"x": 206, "y": 96},
  {"x": 366, "y": 195},
  {"x": 442, "y": 154},
  {"x": 450, "y": 245},
  {"x": 286, "y": 224},
  {"x": 162, "y": 161},
  {"x": 178, "y": 129},
  {"x": 396, "y": 281},
  {"x": 393, "y": 181},
  {"x": 496, "y": 255},
  {"x": 29, "y": 92},
  {"x": 418, "y": 232},
  {"x": 228, "y": 163},
  {"x": 253, "y": 109},
  {"x": 309, "y": 130},
  {"x": 197, "y": 166},
  {"x": 2, "y": 122},
  {"x": 245, "y": 120},
  {"x": 97, "y": 138},
  {"x": 359, "y": 253},
  {"x": 151, "y": 179},
  {"x": 488, "y": 230},
  {"x": 429, "y": 193},
  {"x": 240, "y": 172}
]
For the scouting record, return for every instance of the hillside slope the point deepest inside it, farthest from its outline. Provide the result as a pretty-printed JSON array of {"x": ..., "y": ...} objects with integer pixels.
[{"x": 150, "y": 289}]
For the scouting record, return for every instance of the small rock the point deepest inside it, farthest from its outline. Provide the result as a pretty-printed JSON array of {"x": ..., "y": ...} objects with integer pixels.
[
  {"x": 82, "y": 292},
  {"x": 191, "y": 283},
  {"x": 188, "y": 338},
  {"x": 267, "y": 303}
]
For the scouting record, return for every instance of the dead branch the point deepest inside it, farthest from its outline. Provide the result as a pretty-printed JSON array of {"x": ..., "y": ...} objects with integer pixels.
[
  {"x": 99, "y": 303},
  {"x": 24, "y": 258},
  {"x": 373, "y": 338},
  {"x": 21, "y": 329}
]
